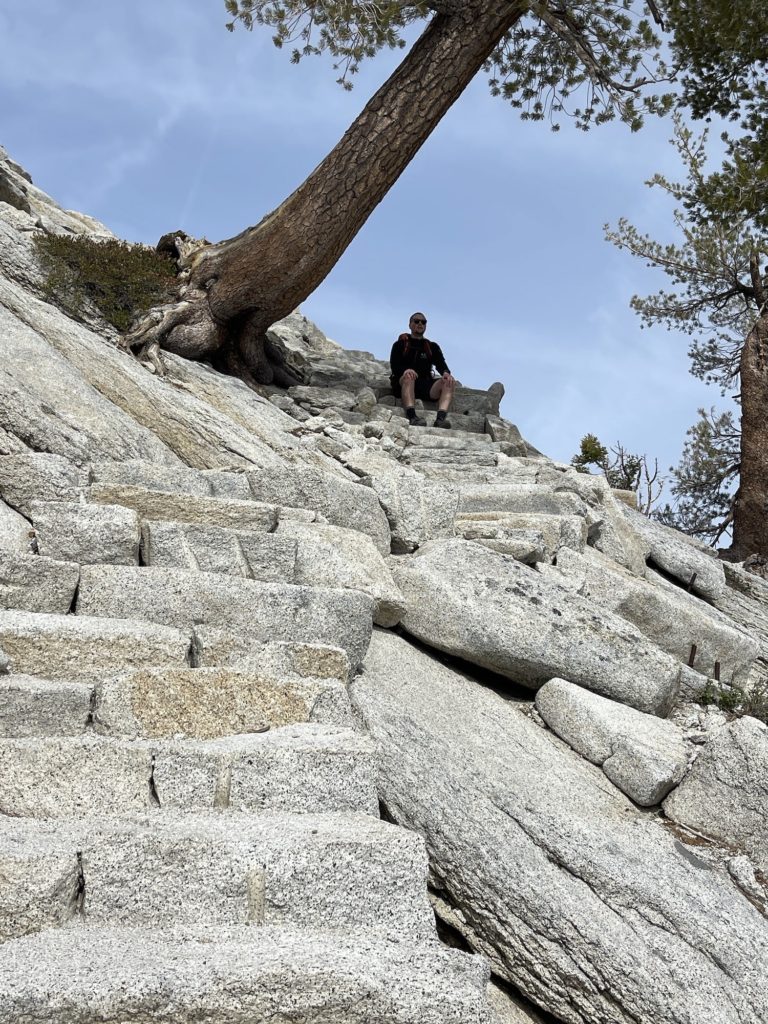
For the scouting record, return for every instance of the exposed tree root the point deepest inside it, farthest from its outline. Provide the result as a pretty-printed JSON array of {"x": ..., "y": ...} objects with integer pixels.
[{"x": 186, "y": 327}]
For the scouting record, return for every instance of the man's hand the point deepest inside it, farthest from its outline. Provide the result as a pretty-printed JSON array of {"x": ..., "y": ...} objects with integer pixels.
[
  {"x": 408, "y": 375},
  {"x": 449, "y": 378}
]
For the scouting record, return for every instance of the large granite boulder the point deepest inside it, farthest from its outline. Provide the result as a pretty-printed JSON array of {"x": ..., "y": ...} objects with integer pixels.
[
  {"x": 643, "y": 755},
  {"x": 680, "y": 623},
  {"x": 689, "y": 561},
  {"x": 14, "y": 530},
  {"x": 492, "y": 611},
  {"x": 417, "y": 509},
  {"x": 609, "y": 529},
  {"x": 342, "y": 501},
  {"x": 725, "y": 795},
  {"x": 595, "y": 911},
  {"x": 330, "y": 556}
]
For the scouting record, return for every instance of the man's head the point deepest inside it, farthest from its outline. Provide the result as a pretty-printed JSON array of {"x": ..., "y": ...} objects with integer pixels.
[{"x": 417, "y": 325}]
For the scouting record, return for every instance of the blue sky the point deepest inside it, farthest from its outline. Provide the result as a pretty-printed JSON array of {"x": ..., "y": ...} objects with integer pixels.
[{"x": 152, "y": 117}]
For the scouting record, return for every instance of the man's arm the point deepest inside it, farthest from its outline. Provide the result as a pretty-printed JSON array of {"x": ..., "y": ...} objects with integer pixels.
[
  {"x": 438, "y": 359},
  {"x": 396, "y": 360}
]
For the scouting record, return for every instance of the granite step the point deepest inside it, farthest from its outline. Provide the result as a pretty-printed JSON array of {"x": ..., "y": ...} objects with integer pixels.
[
  {"x": 416, "y": 456},
  {"x": 204, "y": 483},
  {"x": 519, "y": 497},
  {"x": 81, "y": 648},
  {"x": 33, "y": 583},
  {"x": 259, "y": 556},
  {"x": 209, "y": 703},
  {"x": 439, "y": 437},
  {"x": 240, "y": 514},
  {"x": 304, "y": 870},
  {"x": 90, "y": 975},
  {"x": 265, "y": 611},
  {"x": 303, "y": 768},
  {"x": 31, "y": 706},
  {"x": 86, "y": 534}
]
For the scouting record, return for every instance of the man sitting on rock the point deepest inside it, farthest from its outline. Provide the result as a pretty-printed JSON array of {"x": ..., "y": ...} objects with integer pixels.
[{"x": 412, "y": 359}]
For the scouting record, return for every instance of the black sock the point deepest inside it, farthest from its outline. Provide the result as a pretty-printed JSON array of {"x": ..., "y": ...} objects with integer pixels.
[
  {"x": 410, "y": 412},
  {"x": 441, "y": 414}
]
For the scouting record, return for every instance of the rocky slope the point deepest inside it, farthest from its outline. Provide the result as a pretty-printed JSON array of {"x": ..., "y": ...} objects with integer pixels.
[{"x": 236, "y": 626}]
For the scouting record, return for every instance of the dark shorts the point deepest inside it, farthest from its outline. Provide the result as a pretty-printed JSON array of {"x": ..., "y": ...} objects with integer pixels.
[{"x": 423, "y": 387}]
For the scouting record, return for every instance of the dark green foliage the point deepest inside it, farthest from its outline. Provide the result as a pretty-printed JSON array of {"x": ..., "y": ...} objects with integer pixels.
[
  {"x": 722, "y": 50},
  {"x": 738, "y": 702},
  {"x": 621, "y": 468},
  {"x": 704, "y": 482},
  {"x": 591, "y": 60},
  {"x": 120, "y": 279},
  {"x": 712, "y": 297},
  {"x": 714, "y": 300}
]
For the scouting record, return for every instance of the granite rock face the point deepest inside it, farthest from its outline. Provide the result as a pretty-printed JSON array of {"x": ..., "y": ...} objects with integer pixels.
[
  {"x": 725, "y": 795},
  {"x": 494, "y": 612},
  {"x": 643, "y": 755},
  {"x": 188, "y": 797},
  {"x": 521, "y": 831}
]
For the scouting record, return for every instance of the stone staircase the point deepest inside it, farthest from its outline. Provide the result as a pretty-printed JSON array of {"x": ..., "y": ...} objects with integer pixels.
[
  {"x": 189, "y": 825},
  {"x": 190, "y": 573}
]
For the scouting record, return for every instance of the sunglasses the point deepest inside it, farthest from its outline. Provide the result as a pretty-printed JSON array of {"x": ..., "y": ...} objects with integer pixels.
[{"x": 417, "y": 320}]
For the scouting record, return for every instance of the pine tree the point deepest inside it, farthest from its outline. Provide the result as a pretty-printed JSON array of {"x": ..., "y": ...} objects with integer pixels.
[
  {"x": 719, "y": 298},
  {"x": 598, "y": 56}
]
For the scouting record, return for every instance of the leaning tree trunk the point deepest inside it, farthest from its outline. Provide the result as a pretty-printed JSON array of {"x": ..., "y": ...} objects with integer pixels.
[
  {"x": 241, "y": 286},
  {"x": 750, "y": 516}
]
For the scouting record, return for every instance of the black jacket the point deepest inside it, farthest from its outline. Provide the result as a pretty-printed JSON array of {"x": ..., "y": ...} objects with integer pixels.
[{"x": 419, "y": 354}]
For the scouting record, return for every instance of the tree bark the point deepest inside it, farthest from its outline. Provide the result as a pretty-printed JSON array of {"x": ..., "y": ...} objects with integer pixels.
[
  {"x": 750, "y": 517},
  {"x": 250, "y": 281}
]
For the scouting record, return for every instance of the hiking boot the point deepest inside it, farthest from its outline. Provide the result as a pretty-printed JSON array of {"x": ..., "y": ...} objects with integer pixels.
[
  {"x": 417, "y": 421},
  {"x": 444, "y": 422}
]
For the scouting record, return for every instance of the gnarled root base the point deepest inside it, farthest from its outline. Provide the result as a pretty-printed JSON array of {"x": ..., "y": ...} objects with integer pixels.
[
  {"x": 240, "y": 348},
  {"x": 250, "y": 355}
]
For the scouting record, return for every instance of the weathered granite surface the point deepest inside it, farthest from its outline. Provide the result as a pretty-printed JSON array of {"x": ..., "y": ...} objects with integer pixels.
[
  {"x": 596, "y": 912},
  {"x": 269, "y": 520},
  {"x": 725, "y": 795},
  {"x": 643, "y": 755},
  {"x": 494, "y": 612}
]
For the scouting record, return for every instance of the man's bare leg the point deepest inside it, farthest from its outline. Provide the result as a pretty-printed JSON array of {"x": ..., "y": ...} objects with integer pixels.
[
  {"x": 442, "y": 391},
  {"x": 408, "y": 389},
  {"x": 408, "y": 396}
]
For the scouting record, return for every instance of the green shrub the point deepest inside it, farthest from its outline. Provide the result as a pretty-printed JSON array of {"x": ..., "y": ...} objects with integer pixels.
[
  {"x": 121, "y": 279},
  {"x": 738, "y": 702}
]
